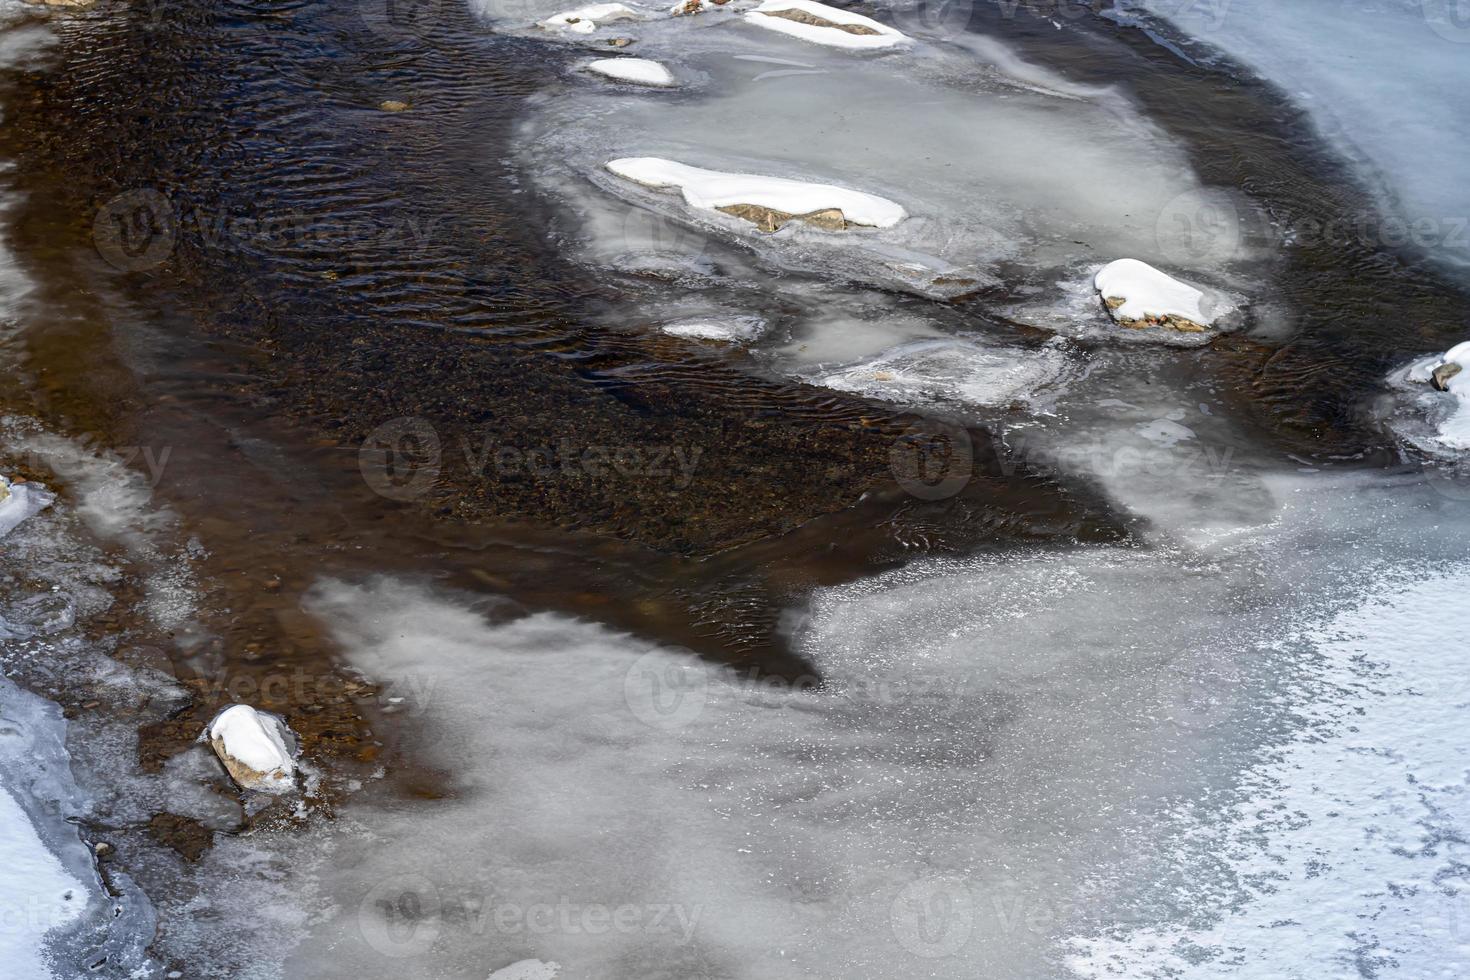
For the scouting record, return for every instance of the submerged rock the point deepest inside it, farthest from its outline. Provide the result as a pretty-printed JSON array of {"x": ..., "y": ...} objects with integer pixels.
[
  {"x": 256, "y": 747},
  {"x": 821, "y": 24},
  {"x": 767, "y": 202},
  {"x": 1138, "y": 296},
  {"x": 393, "y": 105}
]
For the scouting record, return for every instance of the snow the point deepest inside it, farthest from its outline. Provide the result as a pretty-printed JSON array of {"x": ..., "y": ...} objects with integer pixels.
[
  {"x": 1149, "y": 293},
  {"x": 256, "y": 740},
  {"x": 638, "y": 70},
  {"x": 38, "y": 893},
  {"x": 585, "y": 20},
  {"x": 1384, "y": 83},
  {"x": 733, "y": 329},
  {"x": 1354, "y": 835},
  {"x": 884, "y": 36},
  {"x": 712, "y": 189}
]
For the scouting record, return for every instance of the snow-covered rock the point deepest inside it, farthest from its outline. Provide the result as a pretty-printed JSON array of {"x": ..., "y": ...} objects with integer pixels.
[
  {"x": 585, "y": 20},
  {"x": 767, "y": 202},
  {"x": 256, "y": 748},
  {"x": 19, "y": 501},
  {"x": 1138, "y": 296},
  {"x": 1449, "y": 374},
  {"x": 640, "y": 71},
  {"x": 821, "y": 24}
]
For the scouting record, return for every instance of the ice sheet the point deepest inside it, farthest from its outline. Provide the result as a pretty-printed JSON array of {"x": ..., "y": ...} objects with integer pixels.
[{"x": 1384, "y": 81}]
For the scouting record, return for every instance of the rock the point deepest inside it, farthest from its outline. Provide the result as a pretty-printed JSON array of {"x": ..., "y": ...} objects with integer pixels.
[
  {"x": 256, "y": 747},
  {"x": 1441, "y": 375},
  {"x": 770, "y": 220},
  {"x": 393, "y": 105},
  {"x": 4, "y": 489},
  {"x": 620, "y": 42},
  {"x": 800, "y": 16},
  {"x": 687, "y": 8},
  {"x": 70, "y": 4},
  {"x": 1138, "y": 296}
]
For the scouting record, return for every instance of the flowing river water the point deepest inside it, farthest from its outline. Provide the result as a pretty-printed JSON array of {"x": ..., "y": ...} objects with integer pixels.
[{"x": 647, "y": 657}]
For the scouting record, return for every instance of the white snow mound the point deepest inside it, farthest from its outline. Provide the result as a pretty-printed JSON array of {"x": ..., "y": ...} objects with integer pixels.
[
  {"x": 713, "y": 189},
  {"x": 853, "y": 31},
  {"x": 640, "y": 71},
  {"x": 585, "y": 20},
  {"x": 253, "y": 747},
  {"x": 1146, "y": 293}
]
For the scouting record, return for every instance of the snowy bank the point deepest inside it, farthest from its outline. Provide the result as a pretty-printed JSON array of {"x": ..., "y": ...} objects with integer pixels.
[
  {"x": 768, "y": 202},
  {"x": 585, "y": 20},
  {"x": 253, "y": 747},
  {"x": 1139, "y": 296},
  {"x": 821, "y": 24},
  {"x": 640, "y": 71}
]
